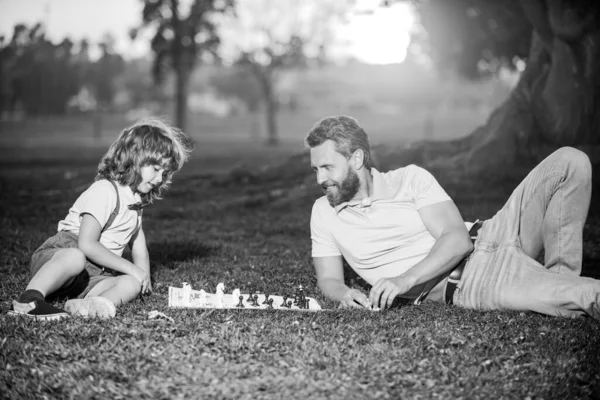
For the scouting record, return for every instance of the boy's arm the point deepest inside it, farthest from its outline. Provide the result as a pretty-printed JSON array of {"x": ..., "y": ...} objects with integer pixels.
[
  {"x": 140, "y": 256},
  {"x": 330, "y": 278},
  {"x": 89, "y": 243}
]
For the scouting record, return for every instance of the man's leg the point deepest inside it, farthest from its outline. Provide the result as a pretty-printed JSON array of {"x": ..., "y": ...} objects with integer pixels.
[
  {"x": 553, "y": 205},
  {"x": 547, "y": 209}
]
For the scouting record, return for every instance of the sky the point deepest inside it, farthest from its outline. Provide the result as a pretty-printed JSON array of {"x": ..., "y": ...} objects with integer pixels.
[{"x": 374, "y": 35}]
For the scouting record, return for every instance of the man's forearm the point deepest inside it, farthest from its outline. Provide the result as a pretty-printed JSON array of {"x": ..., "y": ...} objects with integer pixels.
[
  {"x": 447, "y": 252},
  {"x": 333, "y": 288}
]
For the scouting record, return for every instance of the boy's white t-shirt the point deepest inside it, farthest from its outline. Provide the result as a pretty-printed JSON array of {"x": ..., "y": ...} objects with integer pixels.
[
  {"x": 99, "y": 200},
  {"x": 382, "y": 236}
]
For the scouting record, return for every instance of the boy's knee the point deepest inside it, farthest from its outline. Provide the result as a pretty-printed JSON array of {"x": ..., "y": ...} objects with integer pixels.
[
  {"x": 131, "y": 284},
  {"x": 74, "y": 259}
]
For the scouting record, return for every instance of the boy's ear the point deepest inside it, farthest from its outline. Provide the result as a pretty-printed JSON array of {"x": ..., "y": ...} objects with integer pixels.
[{"x": 358, "y": 159}]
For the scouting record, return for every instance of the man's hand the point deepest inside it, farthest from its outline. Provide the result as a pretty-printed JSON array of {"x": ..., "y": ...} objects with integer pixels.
[
  {"x": 355, "y": 299},
  {"x": 385, "y": 291}
]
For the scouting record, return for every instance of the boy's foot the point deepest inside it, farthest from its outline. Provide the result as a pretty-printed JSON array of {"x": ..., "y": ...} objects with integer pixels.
[
  {"x": 39, "y": 310},
  {"x": 100, "y": 307}
]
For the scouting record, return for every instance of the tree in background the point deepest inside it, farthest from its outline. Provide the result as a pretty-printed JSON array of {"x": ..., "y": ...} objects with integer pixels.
[
  {"x": 181, "y": 37},
  {"x": 556, "y": 100},
  {"x": 269, "y": 36},
  {"x": 37, "y": 74}
]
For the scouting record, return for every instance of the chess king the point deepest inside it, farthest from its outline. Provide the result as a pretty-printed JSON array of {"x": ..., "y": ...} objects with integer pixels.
[{"x": 404, "y": 235}]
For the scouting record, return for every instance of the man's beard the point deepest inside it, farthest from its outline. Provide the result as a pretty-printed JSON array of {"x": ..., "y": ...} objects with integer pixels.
[{"x": 346, "y": 191}]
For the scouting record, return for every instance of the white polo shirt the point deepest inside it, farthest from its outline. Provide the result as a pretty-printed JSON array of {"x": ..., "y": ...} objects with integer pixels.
[
  {"x": 99, "y": 200},
  {"x": 382, "y": 236}
]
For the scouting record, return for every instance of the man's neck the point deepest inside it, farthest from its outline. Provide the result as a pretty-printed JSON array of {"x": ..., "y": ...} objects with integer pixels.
[{"x": 366, "y": 186}]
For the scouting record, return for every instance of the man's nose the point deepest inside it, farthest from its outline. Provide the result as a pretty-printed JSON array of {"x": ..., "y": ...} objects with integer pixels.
[{"x": 321, "y": 176}]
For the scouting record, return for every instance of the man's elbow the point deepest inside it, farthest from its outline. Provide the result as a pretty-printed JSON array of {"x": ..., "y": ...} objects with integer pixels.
[{"x": 468, "y": 246}]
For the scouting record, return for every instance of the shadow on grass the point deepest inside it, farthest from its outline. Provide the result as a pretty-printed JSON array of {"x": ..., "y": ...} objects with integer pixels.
[{"x": 168, "y": 252}]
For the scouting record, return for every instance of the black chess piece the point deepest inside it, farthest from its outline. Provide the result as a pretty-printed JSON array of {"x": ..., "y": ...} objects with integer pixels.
[
  {"x": 255, "y": 301},
  {"x": 266, "y": 299},
  {"x": 241, "y": 303},
  {"x": 306, "y": 303},
  {"x": 289, "y": 304},
  {"x": 270, "y": 303},
  {"x": 250, "y": 296},
  {"x": 284, "y": 301}
]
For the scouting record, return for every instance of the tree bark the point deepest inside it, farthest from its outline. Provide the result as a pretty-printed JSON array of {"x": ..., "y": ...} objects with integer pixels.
[{"x": 554, "y": 104}]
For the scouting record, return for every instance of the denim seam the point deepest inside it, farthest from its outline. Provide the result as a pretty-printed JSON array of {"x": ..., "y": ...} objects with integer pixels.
[{"x": 562, "y": 176}]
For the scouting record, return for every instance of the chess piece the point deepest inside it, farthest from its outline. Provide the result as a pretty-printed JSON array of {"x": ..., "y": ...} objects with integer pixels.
[
  {"x": 284, "y": 301},
  {"x": 220, "y": 289},
  {"x": 289, "y": 304},
  {"x": 306, "y": 303},
  {"x": 266, "y": 299},
  {"x": 236, "y": 293},
  {"x": 241, "y": 303},
  {"x": 271, "y": 303},
  {"x": 250, "y": 295},
  {"x": 255, "y": 301}
]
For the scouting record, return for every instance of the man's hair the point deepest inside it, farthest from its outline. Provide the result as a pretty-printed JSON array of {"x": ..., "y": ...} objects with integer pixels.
[
  {"x": 347, "y": 135},
  {"x": 147, "y": 142}
]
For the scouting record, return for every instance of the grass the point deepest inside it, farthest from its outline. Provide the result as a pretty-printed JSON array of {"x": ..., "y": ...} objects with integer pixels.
[{"x": 227, "y": 219}]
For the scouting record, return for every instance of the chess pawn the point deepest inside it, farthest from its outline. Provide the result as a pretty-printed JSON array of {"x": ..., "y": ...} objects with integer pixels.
[
  {"x": 241, "y": 303},
  {"x": 284, "y": 301},
  {"x": 270, "y": 303},
  {"x": 250, "y": 296},
  {"x": 266, "y": 299},
  {"x": 255, "y": 301}
]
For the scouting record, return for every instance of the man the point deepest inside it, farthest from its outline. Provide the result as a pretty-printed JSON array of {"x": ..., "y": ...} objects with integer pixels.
[{"x": 403, "y": 234}]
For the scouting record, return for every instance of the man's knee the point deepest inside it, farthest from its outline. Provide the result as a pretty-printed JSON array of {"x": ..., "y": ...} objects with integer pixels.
[{"x": 576, "y": 159}]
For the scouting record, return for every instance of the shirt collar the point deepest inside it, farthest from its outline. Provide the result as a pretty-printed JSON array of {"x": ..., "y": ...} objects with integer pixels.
[{"x": 380, "y": 192}]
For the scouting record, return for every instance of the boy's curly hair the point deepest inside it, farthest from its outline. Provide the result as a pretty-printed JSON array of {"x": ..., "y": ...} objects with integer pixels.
[{"x": 147, "y": 142}]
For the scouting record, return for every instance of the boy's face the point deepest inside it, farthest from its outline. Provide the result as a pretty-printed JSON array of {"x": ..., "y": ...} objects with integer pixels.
[{"x": 152, "y": 176}]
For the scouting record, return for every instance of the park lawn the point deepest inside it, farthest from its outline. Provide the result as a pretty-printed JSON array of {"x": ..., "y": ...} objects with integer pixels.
[{"x": 248, "y": 228}]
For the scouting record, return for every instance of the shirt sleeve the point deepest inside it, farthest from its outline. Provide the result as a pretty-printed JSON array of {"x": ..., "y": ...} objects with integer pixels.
[
  {"x": 99, "y": 200},
  {"x": 425, "y": 188},
  {"x": 323, "y": 244}
]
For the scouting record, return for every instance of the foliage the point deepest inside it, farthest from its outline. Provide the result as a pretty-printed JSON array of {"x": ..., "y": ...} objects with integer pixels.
[
  {"x": 250, "y": 230},
  {"x": 473, "y": 37},
  {"x": 41, "y": 77}
]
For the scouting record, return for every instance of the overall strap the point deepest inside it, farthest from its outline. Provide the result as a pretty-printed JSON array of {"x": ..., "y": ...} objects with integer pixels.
[{"x": 113, "y": 215}]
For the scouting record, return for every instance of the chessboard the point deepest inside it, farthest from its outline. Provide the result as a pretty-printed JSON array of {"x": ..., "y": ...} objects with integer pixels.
[{"x": 186, "y": 297}]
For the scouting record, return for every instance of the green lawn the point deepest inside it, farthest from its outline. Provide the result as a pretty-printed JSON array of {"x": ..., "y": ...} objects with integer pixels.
[{"x": 229, "y": 218}]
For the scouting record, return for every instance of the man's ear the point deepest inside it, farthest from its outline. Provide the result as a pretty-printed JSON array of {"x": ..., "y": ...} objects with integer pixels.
[{"x": 358, "y": 159}]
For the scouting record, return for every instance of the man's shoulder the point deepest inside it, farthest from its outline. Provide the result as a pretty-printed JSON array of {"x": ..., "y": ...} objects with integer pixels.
[
  {"x": 402, "y": 175},
  {"x": 322, "y": 204}
]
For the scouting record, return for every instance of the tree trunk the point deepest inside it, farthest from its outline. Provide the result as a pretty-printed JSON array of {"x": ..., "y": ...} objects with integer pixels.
[
  {"x": 181, "y": 92},
  {"x": 270, "y": 108},
  {"x": 554, "y": 104}
]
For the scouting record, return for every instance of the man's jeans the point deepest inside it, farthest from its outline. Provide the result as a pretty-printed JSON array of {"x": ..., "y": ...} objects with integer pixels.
[{"x": 542, "y": 220}]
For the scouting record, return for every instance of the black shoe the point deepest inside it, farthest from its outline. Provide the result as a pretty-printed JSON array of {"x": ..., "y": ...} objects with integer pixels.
[{"x": 38, "y": 310}]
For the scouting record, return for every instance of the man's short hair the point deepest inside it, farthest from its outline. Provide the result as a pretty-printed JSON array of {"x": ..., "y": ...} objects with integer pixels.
[{"x": 345, "y": 132}]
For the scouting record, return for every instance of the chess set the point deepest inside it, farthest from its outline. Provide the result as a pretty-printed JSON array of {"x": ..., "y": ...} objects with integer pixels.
[{"x": 186, "y": 297}]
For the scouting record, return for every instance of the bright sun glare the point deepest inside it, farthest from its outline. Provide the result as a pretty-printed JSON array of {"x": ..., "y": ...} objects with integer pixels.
[{"x": 381, "y": 36}]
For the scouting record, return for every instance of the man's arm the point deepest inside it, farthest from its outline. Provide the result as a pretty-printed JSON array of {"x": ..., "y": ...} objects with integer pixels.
[
  {"x": 141, "y": 258},
  {"x": 453, "y": 243},
  {"x": 330, "y": 278},
  {"x": 89, "y": 243}
]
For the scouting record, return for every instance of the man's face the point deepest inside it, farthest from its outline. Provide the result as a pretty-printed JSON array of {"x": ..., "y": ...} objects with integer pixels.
[{"x": 335, "y": 174}]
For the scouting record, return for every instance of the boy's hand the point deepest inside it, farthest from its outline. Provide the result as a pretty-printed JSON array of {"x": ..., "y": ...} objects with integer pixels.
[{"x": 143, "y": 277}]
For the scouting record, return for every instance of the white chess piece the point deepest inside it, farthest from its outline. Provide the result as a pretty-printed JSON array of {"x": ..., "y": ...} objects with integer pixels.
[
  {"x": 236, "y": 294},
  {"x": 220, "y": 294},
  {"x": 202, "y": 297}
]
